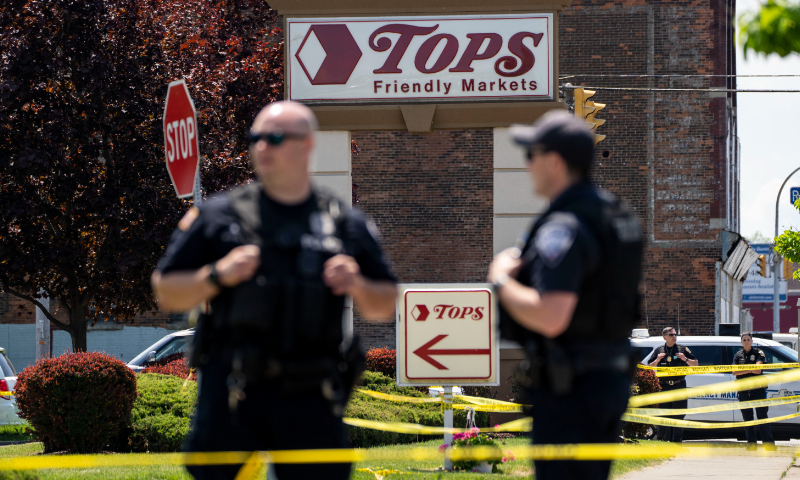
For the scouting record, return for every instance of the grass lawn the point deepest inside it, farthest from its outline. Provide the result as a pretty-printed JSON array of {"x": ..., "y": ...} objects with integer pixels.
[{"x": 411, "y": 469}]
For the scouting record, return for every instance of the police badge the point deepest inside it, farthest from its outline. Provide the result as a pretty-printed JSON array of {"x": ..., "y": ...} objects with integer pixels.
[{"x": 752, "y": 357}]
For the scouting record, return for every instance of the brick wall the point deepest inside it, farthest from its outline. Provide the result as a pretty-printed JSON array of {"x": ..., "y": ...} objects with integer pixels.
[
  {"x": 665, "y": 153},
  {"x": 431, "y": 197}
]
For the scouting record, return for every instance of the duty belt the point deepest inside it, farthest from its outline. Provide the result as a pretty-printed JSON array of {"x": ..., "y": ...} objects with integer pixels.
[{"x": 674, "y": 382}]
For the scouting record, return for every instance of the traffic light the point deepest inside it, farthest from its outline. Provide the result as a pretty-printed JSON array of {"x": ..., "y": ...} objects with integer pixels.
[
  {"x": 762, "y": 265},
  {"x": 586, "y": 110},
  {"x": 788, "y": 269}
]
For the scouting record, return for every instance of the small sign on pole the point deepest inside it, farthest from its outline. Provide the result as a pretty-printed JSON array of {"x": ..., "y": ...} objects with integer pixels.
[
  {"x": 181, "y": 142},
  {"x": 447, "y": 335},
  {"x": 794, "y": 194}
]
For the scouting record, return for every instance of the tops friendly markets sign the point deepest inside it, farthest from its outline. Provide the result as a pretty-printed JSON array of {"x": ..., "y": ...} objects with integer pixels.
[{"x": 391, "y": 59}]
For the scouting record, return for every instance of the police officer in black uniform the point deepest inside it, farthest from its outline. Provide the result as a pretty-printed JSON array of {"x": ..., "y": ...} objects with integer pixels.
[
  {"x": 671, "y": 354},
  {"x": 275, "y": 259},
  {"x": 569, "y": 296},
  {"x": 750, "y": 355}
]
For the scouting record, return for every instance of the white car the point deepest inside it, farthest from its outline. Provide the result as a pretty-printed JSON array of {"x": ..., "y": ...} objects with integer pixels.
[
  {"x": 173, "y": 343},
  {"x": 720, "y": 351},
  {"x": 9, "y": 414}
]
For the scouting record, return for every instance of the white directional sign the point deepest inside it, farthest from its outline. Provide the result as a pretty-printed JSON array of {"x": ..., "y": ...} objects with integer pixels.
[{"x": 447, "y": 335}]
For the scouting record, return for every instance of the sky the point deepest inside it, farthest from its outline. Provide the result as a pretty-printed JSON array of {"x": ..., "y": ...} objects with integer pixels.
[{"x": 769, "y": 130}]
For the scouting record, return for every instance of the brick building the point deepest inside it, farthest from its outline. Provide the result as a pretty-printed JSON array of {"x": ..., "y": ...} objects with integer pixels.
[{"x": 448, "y": 200}]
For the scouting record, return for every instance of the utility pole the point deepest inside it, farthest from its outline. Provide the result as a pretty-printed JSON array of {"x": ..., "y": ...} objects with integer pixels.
[{"x": 42, "y": 330}]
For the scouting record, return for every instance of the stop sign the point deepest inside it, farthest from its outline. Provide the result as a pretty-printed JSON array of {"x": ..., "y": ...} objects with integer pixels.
[{"x": 180, "y": 138}]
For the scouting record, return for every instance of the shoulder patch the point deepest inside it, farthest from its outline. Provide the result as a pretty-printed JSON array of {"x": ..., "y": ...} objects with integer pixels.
[
  {"x": 761, "y": 352},
  {"x": 553, "y": 241},
  {"x": 687, "y": 349},
  {"x": 188, "y": 219}
]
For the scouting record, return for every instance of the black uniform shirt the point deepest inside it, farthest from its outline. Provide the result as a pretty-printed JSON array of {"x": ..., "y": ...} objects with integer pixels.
[
  {"x": 752, "y": 357},
  {"x": 670, "y": 358},
  {"x": 562, "y": 251},
  {"x": 216, "y": 232}
]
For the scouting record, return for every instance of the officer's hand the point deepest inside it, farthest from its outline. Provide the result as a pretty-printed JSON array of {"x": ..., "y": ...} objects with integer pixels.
[
  {"x": 506, "y": 262},
  {"x": 340, "y": 274},
  {"x": 238, "y": 265},
  {"x": 682, "y": 356},
  {"x": 660, "y": 356}
]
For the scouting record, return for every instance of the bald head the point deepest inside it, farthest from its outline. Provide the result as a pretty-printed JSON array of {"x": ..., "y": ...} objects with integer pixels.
[{"x": 288, "y": 117}]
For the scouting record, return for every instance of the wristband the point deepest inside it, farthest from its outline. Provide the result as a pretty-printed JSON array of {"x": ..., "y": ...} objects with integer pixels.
[
  {"x": 500, "y": 282},
  {"x": 213, "y": 275}
]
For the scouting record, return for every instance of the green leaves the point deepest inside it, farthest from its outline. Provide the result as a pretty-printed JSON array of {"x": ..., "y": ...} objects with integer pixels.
[{"x": 775, "y": 28}]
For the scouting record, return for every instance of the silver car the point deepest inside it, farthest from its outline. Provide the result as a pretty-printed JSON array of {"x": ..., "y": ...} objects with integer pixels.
[{"x": 173, "y": 343}]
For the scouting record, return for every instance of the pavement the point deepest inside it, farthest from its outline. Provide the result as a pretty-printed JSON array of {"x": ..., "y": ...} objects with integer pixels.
[{"x": 732, "y": 461}]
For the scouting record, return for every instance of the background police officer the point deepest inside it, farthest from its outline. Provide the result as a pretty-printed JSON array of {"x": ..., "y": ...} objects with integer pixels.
[
  {"x": 570, "y": 296},
  {"x": 671, "y": 354},
  {"x": 750, "y": 355},
  {"x": 275, "y": 258}
]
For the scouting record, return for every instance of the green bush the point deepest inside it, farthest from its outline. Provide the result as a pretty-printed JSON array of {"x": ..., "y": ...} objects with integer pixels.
[
  {"x": 369, "y": 408},
  {"x": 18, "y": 475},
  {"x": 160, "y": 416},
  {"x": 77, "y": 401}
]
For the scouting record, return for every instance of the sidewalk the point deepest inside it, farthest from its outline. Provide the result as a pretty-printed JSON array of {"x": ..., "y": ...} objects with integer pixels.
[{"x": 728, "y": 464}]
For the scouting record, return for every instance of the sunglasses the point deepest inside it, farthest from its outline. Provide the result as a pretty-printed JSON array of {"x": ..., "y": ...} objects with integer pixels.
[
  {"x": 672, "y": 334},
  {"x": 273, "y": 138}
]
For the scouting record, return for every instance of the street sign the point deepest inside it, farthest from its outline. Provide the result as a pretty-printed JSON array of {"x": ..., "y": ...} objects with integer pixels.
[
  {"x": 421, "y": 58},
  {"x": 447, "y": 335},
  {"x": 181, "y": 145},
  {"x": 757, "y": 289},
  {"x": 794, "y": 194}
]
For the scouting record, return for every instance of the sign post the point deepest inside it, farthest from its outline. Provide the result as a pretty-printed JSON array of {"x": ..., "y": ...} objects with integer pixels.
[
  {"x": 181, "y": 142},
  {"x": 447, "y": 335}
]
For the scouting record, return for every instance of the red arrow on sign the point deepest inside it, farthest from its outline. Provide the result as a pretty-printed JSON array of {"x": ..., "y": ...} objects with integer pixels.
[{"x": 424, "y": 352}]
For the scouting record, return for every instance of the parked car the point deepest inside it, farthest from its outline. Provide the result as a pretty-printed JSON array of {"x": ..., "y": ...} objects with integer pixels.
[
  {"x": 9, "y": 413},
  {"x": 173, "y": 343},
  {"x": 720, "y": 351}
]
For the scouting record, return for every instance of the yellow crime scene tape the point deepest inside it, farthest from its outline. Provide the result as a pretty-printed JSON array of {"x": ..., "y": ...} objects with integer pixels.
[
  {"x": 6, "y": 394},
  {"x": 657, "y": 412},
  {"x": 576, "y": 452},
  {"x": 751, "y": 383},
  {"x": 671, "y": 422},
  {"x": 477, "y": 403},
  {"x": 681, "y": 371},
  {"x": 520, "y": 425}
]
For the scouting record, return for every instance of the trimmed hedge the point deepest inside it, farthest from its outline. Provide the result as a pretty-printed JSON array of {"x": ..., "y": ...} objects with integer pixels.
[
  {"x": 370, "y": 408},
  {"x": 160, "y": 416},
  {"x": 174, "y": 364},
  {"x": 382, "y": 360},
  {"x": 77, "y": 401}
]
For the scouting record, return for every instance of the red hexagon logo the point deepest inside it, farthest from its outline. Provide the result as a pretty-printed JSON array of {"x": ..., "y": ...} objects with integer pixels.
[
  {"x": 420, "y": 313},
  {"x": 341, "y": 54}
]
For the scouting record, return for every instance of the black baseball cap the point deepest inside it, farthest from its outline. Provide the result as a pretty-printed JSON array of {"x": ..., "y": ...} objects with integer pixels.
[{"x": 559, "y": 131}]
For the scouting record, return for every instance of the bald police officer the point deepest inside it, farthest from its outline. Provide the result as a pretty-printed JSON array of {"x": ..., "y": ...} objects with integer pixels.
[
  {"x": 569, "y": 296},
  {"x": 275, "y": 259}
]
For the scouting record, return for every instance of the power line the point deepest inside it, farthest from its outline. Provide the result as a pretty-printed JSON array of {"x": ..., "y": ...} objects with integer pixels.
[
  {"x": 705, "y": 90},
  {"x": 675, "y": 76}
]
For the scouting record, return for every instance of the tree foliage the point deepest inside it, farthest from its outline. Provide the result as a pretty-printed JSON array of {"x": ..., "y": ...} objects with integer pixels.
[
  {"x": 773, "y": 28},
  {"x": 787, "y": 244},
  {"x": 86, "y": 205}
]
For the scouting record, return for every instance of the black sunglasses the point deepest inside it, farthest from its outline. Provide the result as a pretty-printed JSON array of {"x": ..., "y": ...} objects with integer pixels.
[
  {"x": 672, "y": 334},
  {"x": 273, "y": 138}
]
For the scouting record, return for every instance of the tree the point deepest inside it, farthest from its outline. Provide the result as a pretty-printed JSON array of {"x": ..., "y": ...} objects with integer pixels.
[
  {"x": 86, "y": 205},
  {"x": 773, "y": 28},
  {"x": 787, "y": 244}
]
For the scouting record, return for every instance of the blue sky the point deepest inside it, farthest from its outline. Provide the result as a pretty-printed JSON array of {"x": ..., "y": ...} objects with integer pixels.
[{"x": 769, "y": 132}]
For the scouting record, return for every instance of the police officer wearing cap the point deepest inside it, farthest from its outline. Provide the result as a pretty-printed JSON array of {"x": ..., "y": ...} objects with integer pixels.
[
  {"x": 569, "y": 295},
  {"x": 672, "y": 354},
  {"x": 750, "y": 355},
  {"x": 275, "y": 259}
]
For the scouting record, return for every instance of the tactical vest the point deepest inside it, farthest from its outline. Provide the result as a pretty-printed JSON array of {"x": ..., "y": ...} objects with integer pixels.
[
  {"x": 608, "y": 300},
  {"x": 283, "y": 315}
]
